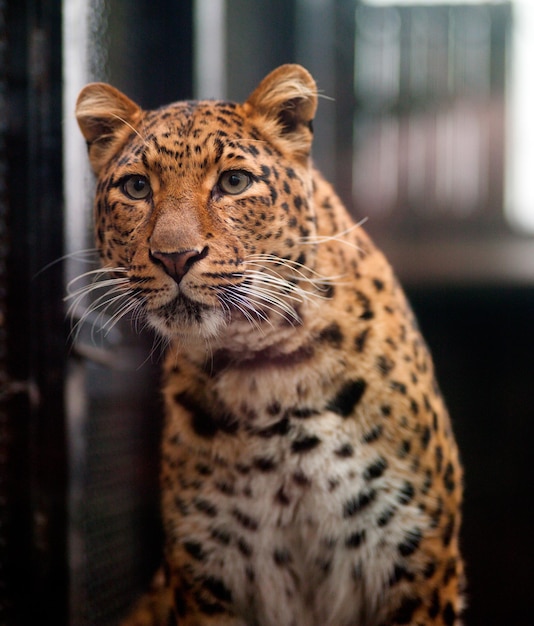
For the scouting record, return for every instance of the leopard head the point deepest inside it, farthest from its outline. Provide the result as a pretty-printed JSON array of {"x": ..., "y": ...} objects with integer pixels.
[{"x": 204, "y": 213}]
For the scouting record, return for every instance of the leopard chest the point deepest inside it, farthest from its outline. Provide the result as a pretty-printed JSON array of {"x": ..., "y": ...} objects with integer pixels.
[{"x": 295, "y": 509}]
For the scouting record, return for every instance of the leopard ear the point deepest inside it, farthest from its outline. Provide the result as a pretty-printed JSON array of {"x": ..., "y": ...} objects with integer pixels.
[
  {"x": 106, "y": 117},
  {"x": 288, "y": 98}
]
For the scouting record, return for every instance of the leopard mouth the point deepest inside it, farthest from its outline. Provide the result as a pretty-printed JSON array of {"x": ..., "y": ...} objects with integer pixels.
[
  {"x": 181, "y": 315},
  {"x": 180, "y": 309}
]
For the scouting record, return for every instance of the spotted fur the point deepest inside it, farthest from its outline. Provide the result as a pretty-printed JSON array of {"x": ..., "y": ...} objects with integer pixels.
[{"x": 309, "y": 475}]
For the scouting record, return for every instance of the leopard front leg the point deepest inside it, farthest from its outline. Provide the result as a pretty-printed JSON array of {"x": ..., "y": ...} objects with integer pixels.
[
  {"x": 167, "y": 604},
  {"x": 435, "y": 599},
  {"x": 413, "y": 612},
  {"x": 203, "y": 602},
  {"x": 154, "y": 607}
]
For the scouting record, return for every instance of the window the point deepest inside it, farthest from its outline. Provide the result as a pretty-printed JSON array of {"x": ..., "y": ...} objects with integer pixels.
[
  {"x": 430, "y": 114},
  {"x": 479, "y": 153}
]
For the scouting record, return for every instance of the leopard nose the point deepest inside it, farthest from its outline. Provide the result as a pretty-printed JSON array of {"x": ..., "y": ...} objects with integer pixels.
[{"x": 177, "y": 264}]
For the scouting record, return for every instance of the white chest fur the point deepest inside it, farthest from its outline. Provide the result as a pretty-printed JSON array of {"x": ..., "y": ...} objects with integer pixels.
[{"x": 301, "y": 525}]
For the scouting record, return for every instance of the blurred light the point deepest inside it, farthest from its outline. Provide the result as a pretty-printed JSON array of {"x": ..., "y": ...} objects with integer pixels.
[
  {"x": 519, "y": 158},
  {"x": 77, "y": 178},
  {"x": 209, "y": 51},
  {"x": 519, "y": 202},
  {"x": 398, "y": 3}
]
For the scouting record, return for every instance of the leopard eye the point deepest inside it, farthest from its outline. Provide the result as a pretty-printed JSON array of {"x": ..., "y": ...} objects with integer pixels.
[
  {"x": 234, "y": 181},
  {"x": 136, "y": 187}
]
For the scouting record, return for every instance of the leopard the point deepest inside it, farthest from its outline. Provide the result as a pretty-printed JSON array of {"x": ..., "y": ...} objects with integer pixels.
[{"x": 309, "y": 471}]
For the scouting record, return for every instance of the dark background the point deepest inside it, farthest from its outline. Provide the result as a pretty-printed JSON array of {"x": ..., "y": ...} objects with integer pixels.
[{"x": 82, "y": 565}]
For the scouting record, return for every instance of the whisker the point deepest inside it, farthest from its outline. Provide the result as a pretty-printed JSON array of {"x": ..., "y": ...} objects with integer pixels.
[
  {"x": 276, "y": 306},
  {"x": 91, "y": 288},
  {"x": 232, "y": 294},
  {"x": 289, "y": 290},
  {"x": 125, "y": 309},
  {"x": 105, "y": 299},
  {"x": 160, "y": 344},
  {"x": 260, "y": 292},
  {"x": 89, "y": 255},
  {"x": 132, "y": 128},
  {"x": 113, "y": 287},
  {"x": 318, "y": 239},
  {"x": 266, "y": 298},
  {"x": 138, "y": 316},
  {"x": 325, "y": 97},
  {"x": 96, "y": 310},
  {"x": 318, "y": 283},
  {"x": 95, "y": 274},
  {"x": 294, "y": 265},
  {"x": 265, "y": 292}
]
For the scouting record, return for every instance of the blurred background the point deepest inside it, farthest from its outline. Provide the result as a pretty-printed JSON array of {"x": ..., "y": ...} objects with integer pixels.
[{"x": 427, "y": 131}]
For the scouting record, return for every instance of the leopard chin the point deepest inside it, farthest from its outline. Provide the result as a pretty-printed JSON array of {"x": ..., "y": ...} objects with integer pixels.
[{"x": 184, "y": 318}]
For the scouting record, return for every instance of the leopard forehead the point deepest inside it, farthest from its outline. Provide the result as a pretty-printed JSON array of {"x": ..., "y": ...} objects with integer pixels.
[{"x": 189, "y": 138}]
